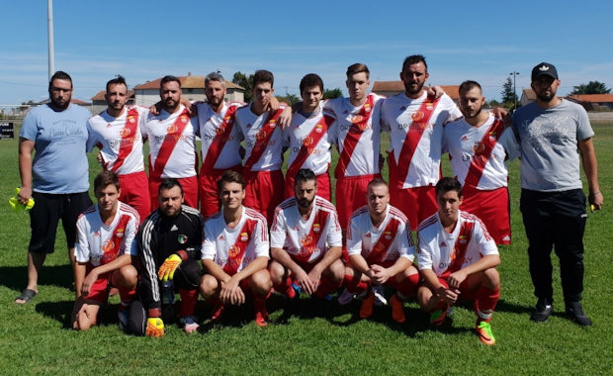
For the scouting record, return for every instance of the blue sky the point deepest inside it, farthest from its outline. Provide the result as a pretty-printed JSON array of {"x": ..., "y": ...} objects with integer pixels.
[{"x": 144, "y": 40}]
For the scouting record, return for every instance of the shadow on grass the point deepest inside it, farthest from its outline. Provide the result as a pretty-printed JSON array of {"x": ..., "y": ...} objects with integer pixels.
[
  {"x": 58, "y": 311},
  {"x": 15, "y": 277}
]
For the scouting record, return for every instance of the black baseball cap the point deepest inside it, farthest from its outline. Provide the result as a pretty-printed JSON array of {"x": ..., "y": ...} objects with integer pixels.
[{"x": 544, "y": 69}]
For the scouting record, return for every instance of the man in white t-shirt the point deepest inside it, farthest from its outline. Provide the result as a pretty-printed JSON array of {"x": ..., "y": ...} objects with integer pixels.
[
  {"x": 415, "y": 121},
  {"x": 235, "y": 252},
  {"x": 305, "y": 241},
  {"x": 478, "y": 146},
  {"x": 105, "y": 233},
  {"x": 263, "y": 143},
  {"x": 381, "y": 252},
  {"x": 457, "y": 258},
  {"x": 116, "y": 131},
  {"x": 309, "y": 138},
  {"x": 172, "y": 144}
]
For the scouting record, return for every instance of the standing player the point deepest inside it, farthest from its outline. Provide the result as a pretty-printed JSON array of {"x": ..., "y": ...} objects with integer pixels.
[
  {"x": 305, "y": 241},
  {"x": 235, "y": 252},
  {"x": 172, "y": 147},
  {"x": 549, "y": 131},
  {"x": 457, "y": 258},
  {"x": 381, "y": 252},
  {"x": 117, "y": 133},
  {"x": 357, "y": 133},
  {"x": 263, "y": 143},
  {"x": 168, "y": 244},
  {"x": 57, "y": 131},
  {"x": 310, "y": 138},
  {"x": 105, "y": 233},
  {"x": 478, "y": 146},
  {"x": 415, "y": 121},
  {"x": 220, "y": 141}
]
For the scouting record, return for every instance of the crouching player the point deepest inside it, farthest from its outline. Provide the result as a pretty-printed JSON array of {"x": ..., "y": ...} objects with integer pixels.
[
  {"x": 169, "y": 244},
  {"x": 457, "y": 258},
  {"x": 235, "y": 252},
  {"x": 105, "y": 233},
  {"x": 306, "y": 242},
  {"x": 380, "y": 251}
]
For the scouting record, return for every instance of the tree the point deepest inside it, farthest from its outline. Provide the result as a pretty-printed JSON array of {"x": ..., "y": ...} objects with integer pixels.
[
  {"x": 290, "y": 99},
  {"x": 593, "y": 87},
  {"x": 509, "y": 98},
  {"x": 241, "y": 79},
  {"x": 334, "y": 93}
]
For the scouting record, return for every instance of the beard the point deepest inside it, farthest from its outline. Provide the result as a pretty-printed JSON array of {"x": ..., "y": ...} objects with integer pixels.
[
  {"x": 411, "y": 89},
  {"x": 305, "y": 203}
]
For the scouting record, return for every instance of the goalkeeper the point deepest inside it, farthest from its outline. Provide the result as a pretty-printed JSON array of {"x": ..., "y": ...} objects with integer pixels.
[{"x": 168, "y": 245}]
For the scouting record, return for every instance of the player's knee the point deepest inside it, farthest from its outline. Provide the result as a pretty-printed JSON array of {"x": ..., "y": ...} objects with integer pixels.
[
  {"x": 277, "y": 272},
  {"x": 208, "y": 286},
  {"x": 336, "y": 271},
  {"x": 261, "y": 282},
  {"x": 424, "y": 296},
  {"x": 127, "y": 276},
  {"x": 491, "y": 278}
]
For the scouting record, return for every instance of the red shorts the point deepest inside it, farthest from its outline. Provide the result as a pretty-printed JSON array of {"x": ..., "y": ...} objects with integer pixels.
[
  {"x": 351, "y": 195},
  {"x": 135, "y": 193},
  {"x": 323, "y": 186},
  {"x": 208, "y": 192},
  {"x": 99, "y": 291},
  {"x": 416, "y": 203},
  {"x": 190, "y": 191},
  {"x": 264, "y": 192},
  {"x": 492, "y": 207}
]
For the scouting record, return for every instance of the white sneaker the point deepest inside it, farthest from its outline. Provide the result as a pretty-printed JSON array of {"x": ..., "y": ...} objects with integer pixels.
[
  {"x": 379, "y": 296},
  {"x": 345, "y": 298},
  {"x": 190, "y": 324}
]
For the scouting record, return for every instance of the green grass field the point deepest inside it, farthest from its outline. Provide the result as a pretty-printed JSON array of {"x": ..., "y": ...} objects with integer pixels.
[{"x": 35, "y": 339}]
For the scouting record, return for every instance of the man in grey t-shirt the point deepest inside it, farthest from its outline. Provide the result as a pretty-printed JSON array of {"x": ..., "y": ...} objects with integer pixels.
[{"x": 550, "y": 130}]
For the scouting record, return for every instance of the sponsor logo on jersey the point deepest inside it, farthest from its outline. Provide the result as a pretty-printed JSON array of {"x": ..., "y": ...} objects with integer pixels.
[
  {"x": 174, "y": 228},
  {"x": 125, "y": 132},
  {"x": 172, "y": 128},
  {"x": 234, "y": 251},
  {"x": 306, "y": 240},
  {"x": 107, "y": 246}
]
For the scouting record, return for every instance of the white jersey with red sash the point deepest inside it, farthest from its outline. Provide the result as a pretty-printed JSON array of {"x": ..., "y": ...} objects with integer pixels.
[
  {"x": 358, "y": 135},
  {"x": 234, "y": 248},
  {"x": 305, "y": 240},
  {"x": 380, "y": 245},
  {"x": 416, "y": 131},
  {"x": 263, "y": 139},
  {"x": 445, "y": 253},
  {"x": 119, "y": 139},
  {"x": 220, "y": 137},
  {"x": 172, "y": 146},
  {"x": 478, "y": 154},
  {"x": 100, "y": 244},
  {"x": 310, "y": 141}
]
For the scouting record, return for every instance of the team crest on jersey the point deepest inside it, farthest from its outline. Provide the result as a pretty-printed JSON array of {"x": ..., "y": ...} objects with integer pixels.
[
  {"x": 131, "y": 119},
  {"x": 367, "y": 107},
  {"x": 429, "y": 107},
  {"x": 125, "y": 132},
  {"x": 107, "y": 246},
  {"x": 319, "y": 128},
  {"x": 234, "y": 251},
  {"x": 172, "y": 129},
  {"x": 182, "y": 238},
  {"x": 387, "y": 235},
  {"x": 184, "y": 119},
  {"x": 273, "y": 123},
  {"x": 244, "y": 237},
  {"x": 462, "y": 239},
  {"x": 316, "y": 228},
  {"x": 119, "y": 232}
]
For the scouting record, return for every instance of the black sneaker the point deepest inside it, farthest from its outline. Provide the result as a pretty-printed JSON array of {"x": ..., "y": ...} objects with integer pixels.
[
  {"x": 543, "y": 311},
  {"x": 574, "y": 311}
]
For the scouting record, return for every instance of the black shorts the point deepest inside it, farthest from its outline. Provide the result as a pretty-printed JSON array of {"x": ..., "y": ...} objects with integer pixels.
[{"x": 46, "y": 213}]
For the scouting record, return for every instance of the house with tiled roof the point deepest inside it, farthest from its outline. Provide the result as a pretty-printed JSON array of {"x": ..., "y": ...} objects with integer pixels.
[
  {"x": 593, "y": 102},
  {"x": 527, "y": 96},
  {"x": 389, "y": 88},
  {"x": 192, "y": 87}
]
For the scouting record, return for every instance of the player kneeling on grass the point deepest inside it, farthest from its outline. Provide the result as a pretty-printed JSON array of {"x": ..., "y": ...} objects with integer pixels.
[
  {"x": 381, "y": 252},
  {"x": 457, "y": 259},
  {"x": 105, "y": 233},
  {"x": 306, "y": 242},
  {"x": 169, "y": 244},
  {"x": 235, "y": 252}
]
